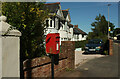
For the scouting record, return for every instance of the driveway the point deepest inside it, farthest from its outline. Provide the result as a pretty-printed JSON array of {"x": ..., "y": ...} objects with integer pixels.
[
  {"x": 81, "y": 58},
  {"x": 104, "y": 66}
]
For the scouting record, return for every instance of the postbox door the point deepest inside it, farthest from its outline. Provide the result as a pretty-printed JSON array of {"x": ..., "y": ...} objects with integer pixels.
[{"x": 52, "y": 43}]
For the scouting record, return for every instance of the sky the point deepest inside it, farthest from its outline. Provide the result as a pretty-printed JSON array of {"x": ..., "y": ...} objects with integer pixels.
[{"x": 84, "y": 13}]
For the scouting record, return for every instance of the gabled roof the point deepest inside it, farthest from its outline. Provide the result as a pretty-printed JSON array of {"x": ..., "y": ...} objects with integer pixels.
[
  {"x": 76, "y": 30},
  {"x": 52, "y": 7},
  {"x": 70, "y": 25},
  {"x": 65, "y": 13}
]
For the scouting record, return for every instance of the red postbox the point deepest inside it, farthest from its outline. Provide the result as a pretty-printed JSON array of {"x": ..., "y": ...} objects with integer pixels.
[
  {"x": 53, "y": 48},
  {"x": 53, "y": 43}
]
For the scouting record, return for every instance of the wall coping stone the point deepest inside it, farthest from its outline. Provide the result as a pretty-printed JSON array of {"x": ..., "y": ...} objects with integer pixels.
[{"x": 4, "y": 27}]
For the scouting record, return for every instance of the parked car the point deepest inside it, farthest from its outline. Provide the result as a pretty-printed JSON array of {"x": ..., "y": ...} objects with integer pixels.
[
  {"x": 115, "y": 38},
  {"x": 94, "y": 46}
]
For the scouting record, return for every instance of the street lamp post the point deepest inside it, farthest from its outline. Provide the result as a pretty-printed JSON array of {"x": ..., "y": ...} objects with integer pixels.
[{"x": 108, "y": 21}]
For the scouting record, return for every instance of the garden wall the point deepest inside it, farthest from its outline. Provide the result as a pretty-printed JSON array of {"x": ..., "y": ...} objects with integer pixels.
[
  {"x": 41, "y": 66},
  {"x": 110, "y": 46}
]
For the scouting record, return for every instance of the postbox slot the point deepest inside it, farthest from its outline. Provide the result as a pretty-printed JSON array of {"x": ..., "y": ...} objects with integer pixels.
[
  {"x": 57, "y": 37},
  {"x": 57, "y": 41}
]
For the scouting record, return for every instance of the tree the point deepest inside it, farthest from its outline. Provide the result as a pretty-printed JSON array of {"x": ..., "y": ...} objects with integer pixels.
[
  {"x": 100, "y": 28},
  {"x": 116, "y": 31},
  {"x": 28, "y": 18}
]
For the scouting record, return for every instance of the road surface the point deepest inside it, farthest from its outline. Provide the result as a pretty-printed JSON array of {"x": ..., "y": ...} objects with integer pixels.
[{"x": 106, "y": 66}]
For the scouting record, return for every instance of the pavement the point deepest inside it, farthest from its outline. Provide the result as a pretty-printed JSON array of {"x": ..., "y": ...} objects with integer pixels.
[
  {"x": 96, "y": 65},
  {"x": 81, "y": 58}
]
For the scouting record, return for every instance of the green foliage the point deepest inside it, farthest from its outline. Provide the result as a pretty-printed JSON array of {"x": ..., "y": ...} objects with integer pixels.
[
  {"x": 28, "y": 18},
  {"x": 100, "y": 31},
  {"x": 106, "y": 52},
  {"x": 69, "y": 69},
  {"x": 81, "y": 44},
  {"x": 116, "y": 31},
  {"x": 100, "y": 28}
]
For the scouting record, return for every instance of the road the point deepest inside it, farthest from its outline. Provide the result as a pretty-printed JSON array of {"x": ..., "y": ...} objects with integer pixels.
[{"x": 106, "y": 66}]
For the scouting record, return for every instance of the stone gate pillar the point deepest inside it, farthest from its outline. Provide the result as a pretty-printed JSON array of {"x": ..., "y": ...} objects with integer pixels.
[{"x": 9, "y": 50}]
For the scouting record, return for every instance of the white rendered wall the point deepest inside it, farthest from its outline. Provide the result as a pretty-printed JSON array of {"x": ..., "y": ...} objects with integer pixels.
[
  {"x": 67, "y": 18},
  {"x": 9, "y": 50},
  {"x": 10, "y": 56},
  {"x": 0, "y": 58},
  {"x": 50, "y": 29},
  {"x": 80, "y": 37}
]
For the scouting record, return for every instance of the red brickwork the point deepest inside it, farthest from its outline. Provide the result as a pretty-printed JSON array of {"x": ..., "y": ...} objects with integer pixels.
[
  {"x": 110, "y": 46},
  {"x": 41, "y": 66}
]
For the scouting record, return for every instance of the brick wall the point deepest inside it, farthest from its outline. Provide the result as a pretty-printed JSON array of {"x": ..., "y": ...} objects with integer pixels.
[
  {"x": 41, "y": 66},
  {"x": 110, "y": 46}
]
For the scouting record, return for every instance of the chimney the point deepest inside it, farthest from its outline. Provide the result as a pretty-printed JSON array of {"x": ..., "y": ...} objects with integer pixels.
[
  {"x": 75, "y": 26},
  {"x": 52, "y": 3}
]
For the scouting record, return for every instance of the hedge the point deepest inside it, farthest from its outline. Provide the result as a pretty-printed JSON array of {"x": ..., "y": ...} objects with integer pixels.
[{"x": 81, "y": 44}]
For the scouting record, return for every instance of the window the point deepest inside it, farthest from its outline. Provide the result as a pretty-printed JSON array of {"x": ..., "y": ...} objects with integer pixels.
[
  {"x": 69, "y": 39},
  {"x": 47, "y": 21},
  {"x": 61, "y": 39},
  {"x": 82, "y": 36},
  {"x": 50, "y": 23},
  {"x": 65, "y": 39},
  {"x": 77, "y": 36}
]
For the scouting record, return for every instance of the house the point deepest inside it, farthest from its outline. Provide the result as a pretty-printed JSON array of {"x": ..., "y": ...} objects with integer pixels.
[
  {"x": 53, "y": 23},
  {"x": 59, "y": 21},
  {"x": 78, "y": 34},
  {"x": 66, "y": 31}
]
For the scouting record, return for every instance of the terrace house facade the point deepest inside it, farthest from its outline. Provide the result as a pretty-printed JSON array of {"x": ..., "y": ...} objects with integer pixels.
[{"x": 78, "y": 34}]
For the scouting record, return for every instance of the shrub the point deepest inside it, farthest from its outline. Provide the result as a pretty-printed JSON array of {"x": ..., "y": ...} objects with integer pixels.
[
  {"x": 81, "y": 44},
  {"x": 28, "y": 18}
]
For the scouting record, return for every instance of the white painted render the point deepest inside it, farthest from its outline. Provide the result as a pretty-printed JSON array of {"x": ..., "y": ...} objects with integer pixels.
[
  {"x": 66, "y": 33},
  {"x": 56, "y": 23},
  {"x": 10, "y": 57},
  {"x": 84, "y": 38},
  {"x": 50, "y": 29},
  {"x": 71, "y": 33},
  {"x": 0, "y": 58},
  {"x": 67, "y": 18},
  {"x": 78, "y": 37},
  {"x": 59, "y": 13}
]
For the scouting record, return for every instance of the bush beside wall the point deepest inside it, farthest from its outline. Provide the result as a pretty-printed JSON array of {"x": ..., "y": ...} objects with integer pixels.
[{"x": 81, "y": 44}]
